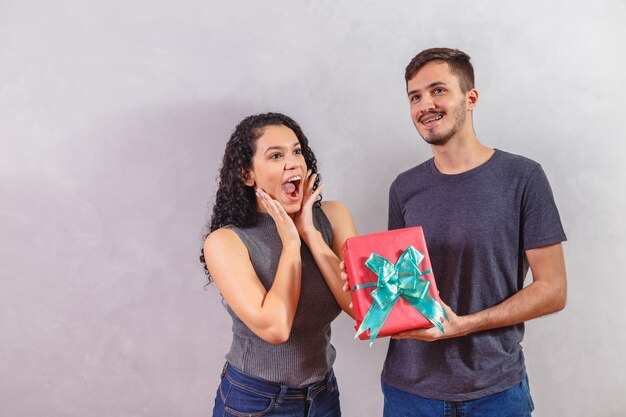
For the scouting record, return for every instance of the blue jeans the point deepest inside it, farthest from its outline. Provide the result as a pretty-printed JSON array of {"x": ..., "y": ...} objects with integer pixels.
[
  {"x": 514, "y": 402},
  {"x": 241, "y": 395}
]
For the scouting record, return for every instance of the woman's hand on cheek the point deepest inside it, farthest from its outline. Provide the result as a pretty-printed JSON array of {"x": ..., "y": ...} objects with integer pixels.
[
  {"x": 304, "y": 218},
  {"x": 284, "y": 224}
]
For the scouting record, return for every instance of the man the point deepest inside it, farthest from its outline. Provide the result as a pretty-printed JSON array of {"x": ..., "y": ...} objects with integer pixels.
[{"x": 487, "y": 216}]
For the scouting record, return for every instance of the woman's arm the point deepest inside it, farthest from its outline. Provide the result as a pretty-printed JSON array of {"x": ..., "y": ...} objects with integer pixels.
[
  {"x": 327, "y": 258},
  {"x": 269, "y": 314}
]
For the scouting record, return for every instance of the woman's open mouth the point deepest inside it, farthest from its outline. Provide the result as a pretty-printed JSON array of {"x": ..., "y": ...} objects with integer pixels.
[{"x": 291, "y": 187}]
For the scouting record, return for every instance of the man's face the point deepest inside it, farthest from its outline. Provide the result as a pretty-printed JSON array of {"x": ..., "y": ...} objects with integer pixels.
[{"x": 439, "y": 108}]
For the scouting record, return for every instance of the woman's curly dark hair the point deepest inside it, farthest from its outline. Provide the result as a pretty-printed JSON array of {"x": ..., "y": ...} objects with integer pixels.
[{"x": 235, "y": 202}]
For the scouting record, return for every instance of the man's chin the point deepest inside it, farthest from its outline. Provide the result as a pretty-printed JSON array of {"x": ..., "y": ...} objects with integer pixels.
[{"x": 436, "y": 140}]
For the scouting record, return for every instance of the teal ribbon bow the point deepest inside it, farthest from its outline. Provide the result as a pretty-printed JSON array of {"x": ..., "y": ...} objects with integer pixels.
[{"x": 399, "y": 280}]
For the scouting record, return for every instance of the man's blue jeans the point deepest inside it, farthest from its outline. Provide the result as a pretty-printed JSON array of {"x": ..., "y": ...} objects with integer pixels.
[
  {"x": 514, "y": 402},
  {"x": 241, "y": 395}
]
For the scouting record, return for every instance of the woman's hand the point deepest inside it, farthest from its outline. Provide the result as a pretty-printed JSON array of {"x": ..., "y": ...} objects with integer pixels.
[
  {"x": 303, "y": 219},
  {"x": 284, "y": 224}
]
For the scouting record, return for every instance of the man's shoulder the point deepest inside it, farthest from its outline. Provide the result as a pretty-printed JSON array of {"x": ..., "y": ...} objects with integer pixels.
[
  {"x": 412, "y": 173},
  {"x": 513, "y": 161}
]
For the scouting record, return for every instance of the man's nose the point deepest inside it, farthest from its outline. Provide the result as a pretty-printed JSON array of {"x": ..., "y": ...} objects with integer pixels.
[{"x": 426, "y": 104}]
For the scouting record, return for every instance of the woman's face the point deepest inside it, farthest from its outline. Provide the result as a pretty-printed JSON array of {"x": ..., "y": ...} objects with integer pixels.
[{"x": 278, "y": 167}]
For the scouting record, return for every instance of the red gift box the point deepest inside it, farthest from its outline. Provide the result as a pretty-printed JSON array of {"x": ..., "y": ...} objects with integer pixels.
[{"x": 392, "y": 245}]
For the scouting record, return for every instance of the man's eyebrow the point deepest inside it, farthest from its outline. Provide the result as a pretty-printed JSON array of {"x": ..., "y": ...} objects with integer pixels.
[{"x": 431, "y": 85}]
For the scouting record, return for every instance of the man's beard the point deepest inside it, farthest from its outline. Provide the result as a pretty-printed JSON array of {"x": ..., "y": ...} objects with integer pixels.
[{"x": 458, "y": 114}]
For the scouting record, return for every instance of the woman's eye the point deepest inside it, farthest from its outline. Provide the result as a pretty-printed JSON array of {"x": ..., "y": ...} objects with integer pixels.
[
  {"x": 275, "y": 155},
  {"x": 297, "y": 151}
]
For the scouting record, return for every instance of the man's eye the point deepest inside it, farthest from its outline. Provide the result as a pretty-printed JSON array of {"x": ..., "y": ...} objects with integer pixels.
[
  {"x": 415, "y": 98},
  {"x": 438, "y": 90}
]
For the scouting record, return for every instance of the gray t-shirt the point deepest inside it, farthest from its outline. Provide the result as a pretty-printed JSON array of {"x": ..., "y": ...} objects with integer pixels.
[
  {"x": 477, "y": 225},
  {"x": 308, "y": 355}
]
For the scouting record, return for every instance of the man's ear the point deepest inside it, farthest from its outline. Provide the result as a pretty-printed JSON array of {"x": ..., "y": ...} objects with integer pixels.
[
  {"x": 247, "y": 177},
  {"x": 472, "y": 98}
]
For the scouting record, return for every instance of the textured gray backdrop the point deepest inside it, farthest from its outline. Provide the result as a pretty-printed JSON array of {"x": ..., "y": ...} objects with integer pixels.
[{"x": 113, "y": 119}]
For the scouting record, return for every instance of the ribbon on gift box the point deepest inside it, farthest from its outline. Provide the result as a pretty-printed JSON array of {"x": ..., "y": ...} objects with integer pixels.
[{"x": 399, "y": 280}]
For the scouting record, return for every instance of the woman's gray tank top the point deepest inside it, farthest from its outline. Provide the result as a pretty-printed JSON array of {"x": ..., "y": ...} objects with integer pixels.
[{"x": 307, "y": 355}]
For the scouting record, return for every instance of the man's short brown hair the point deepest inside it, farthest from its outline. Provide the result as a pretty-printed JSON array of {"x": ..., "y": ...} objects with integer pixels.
[{"x": 458, "y": 62}]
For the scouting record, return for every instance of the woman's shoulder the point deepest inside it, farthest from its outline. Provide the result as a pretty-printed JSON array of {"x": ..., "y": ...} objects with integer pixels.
[
  {"x": 336, "y": 211},
  {"x": 224, "y": 237}
]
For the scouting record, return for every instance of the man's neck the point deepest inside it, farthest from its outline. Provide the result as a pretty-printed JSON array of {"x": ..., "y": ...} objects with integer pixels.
[{"x": 460, "y": 154}]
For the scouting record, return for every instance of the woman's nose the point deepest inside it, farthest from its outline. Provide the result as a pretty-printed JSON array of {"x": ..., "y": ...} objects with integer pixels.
[{"x": 291, "y": 161}]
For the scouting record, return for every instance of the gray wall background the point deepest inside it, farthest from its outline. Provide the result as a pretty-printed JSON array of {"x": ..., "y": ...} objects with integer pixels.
[{"x": 113, "y": 120}]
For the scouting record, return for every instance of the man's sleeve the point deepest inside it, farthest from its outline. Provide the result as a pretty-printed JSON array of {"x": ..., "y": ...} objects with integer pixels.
[
  {"x": 395, "y": 219},
  {"x": 541, "y": 223}
]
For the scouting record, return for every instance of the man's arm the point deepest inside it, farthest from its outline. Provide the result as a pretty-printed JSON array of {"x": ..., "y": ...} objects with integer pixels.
[
  {"x": 395, "y": 219},
  {"x": 546, "y": 294}
]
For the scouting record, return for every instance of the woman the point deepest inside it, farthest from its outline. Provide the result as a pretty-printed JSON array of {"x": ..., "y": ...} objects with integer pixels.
[{"x": 274, "y": 252}]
